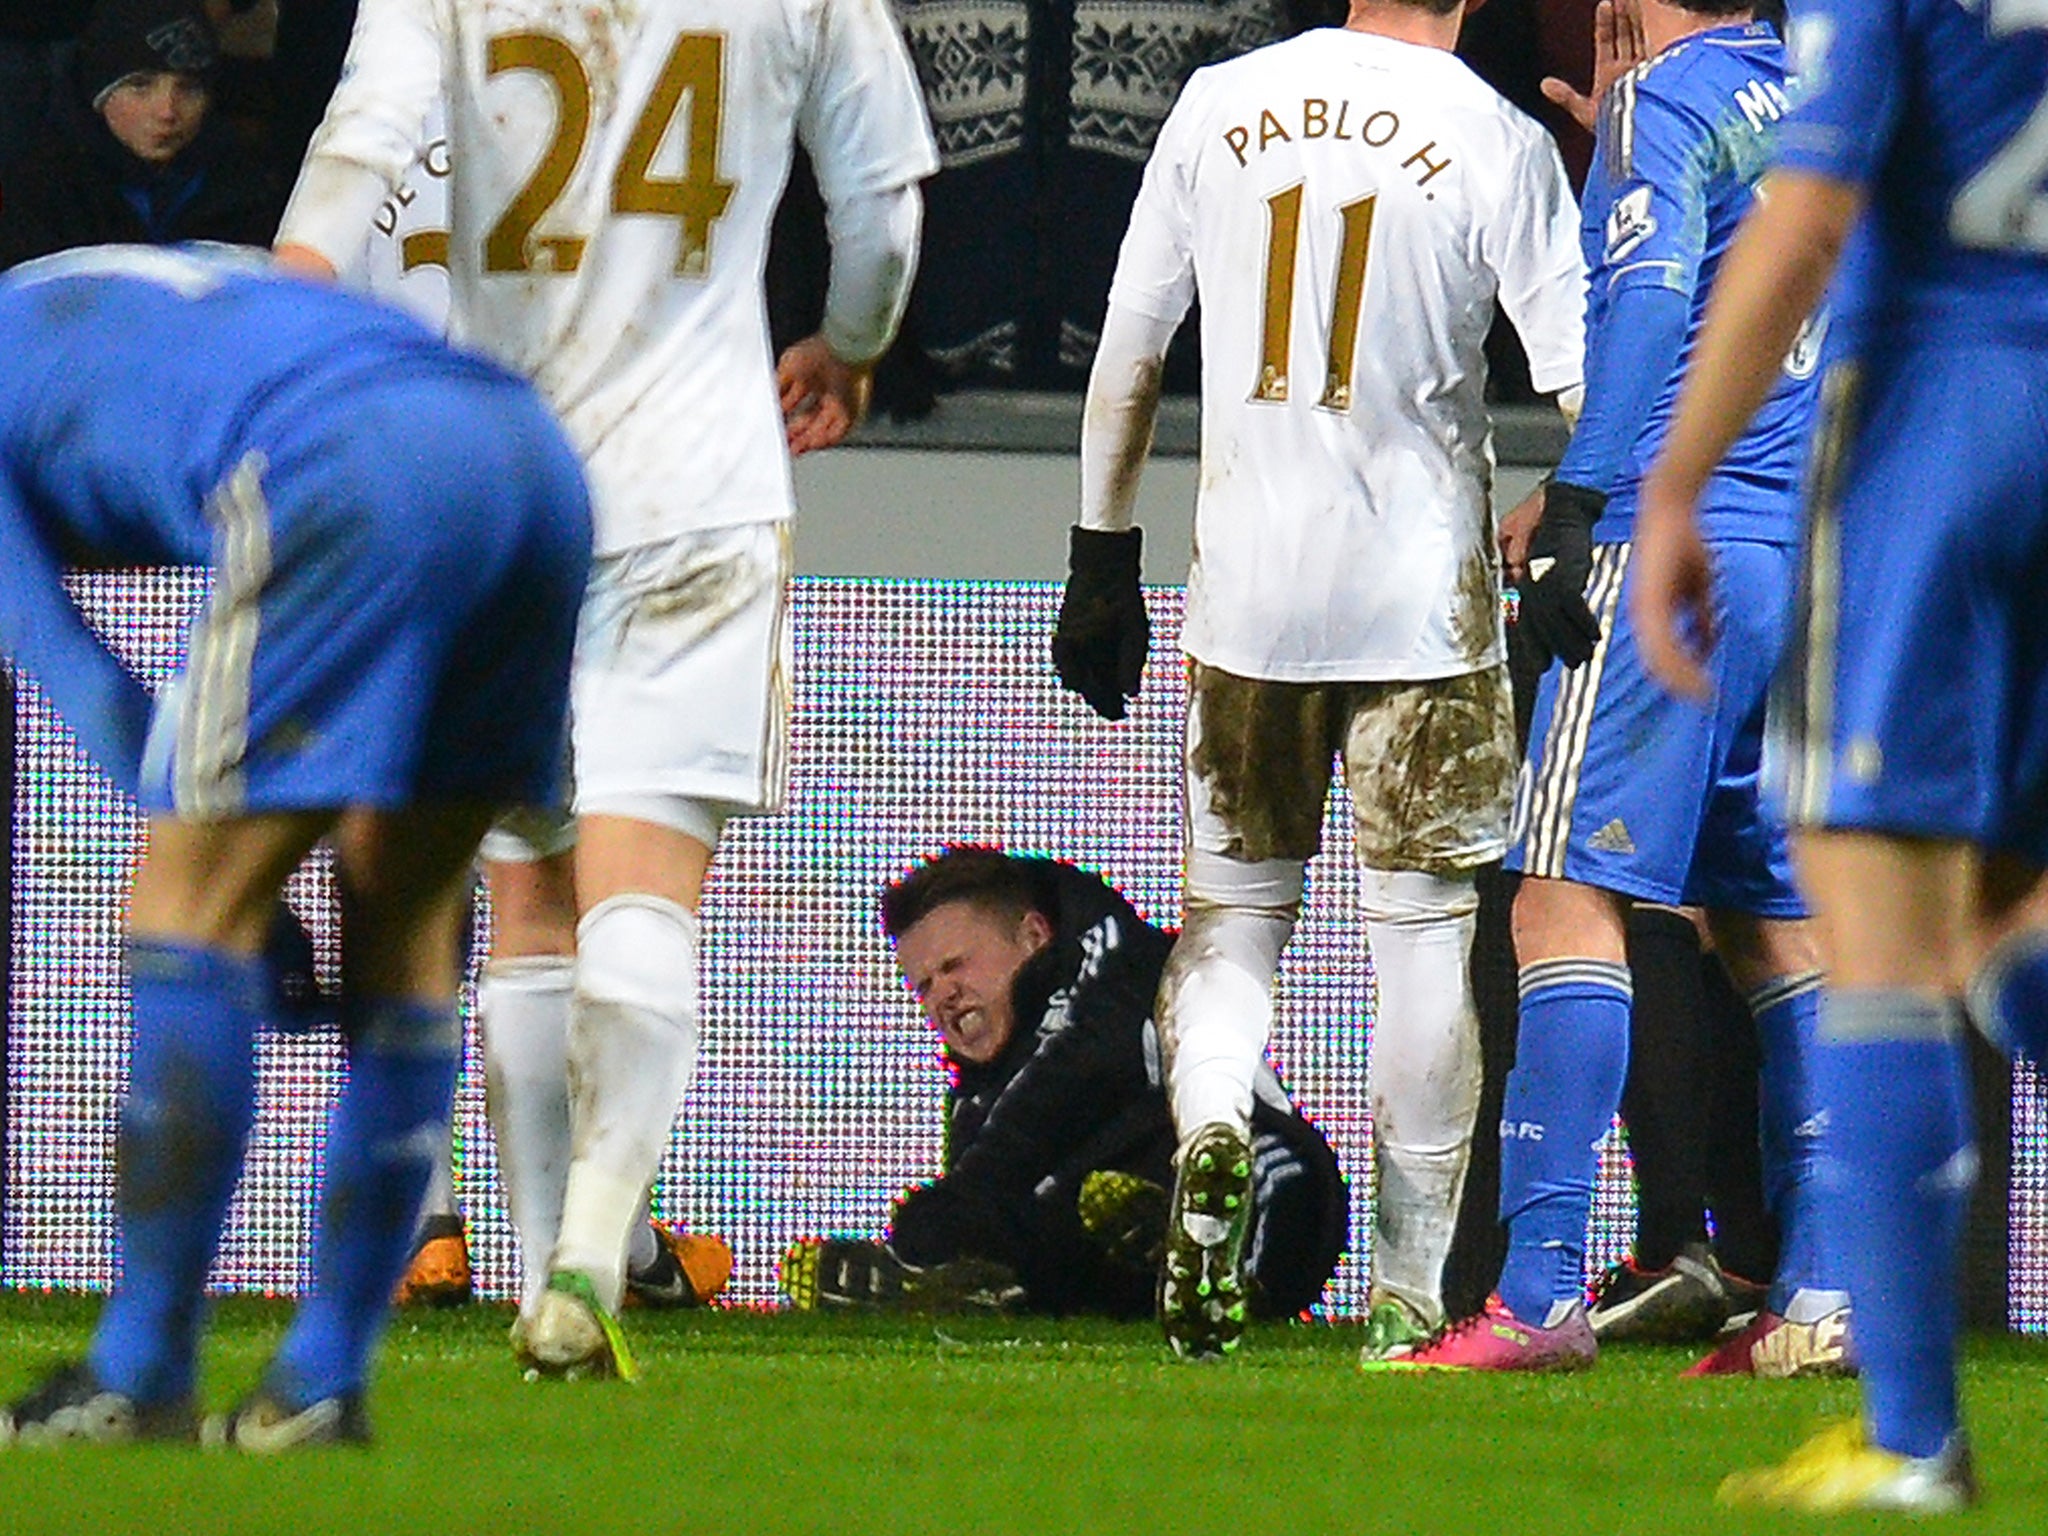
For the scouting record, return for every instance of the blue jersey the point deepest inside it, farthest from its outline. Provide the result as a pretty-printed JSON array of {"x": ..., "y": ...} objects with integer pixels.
[
  {"x": 1922, "y": 707},
  {"x": 333, "y": 459},
  {"x": 1939, "y": 110},
  {"x": 1682, "y": 141},
  {"x": 231, "y": 345}
]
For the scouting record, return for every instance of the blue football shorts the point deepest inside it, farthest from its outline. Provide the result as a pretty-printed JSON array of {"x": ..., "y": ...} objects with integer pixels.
[
  {"x": 1630, "y": 789},
  {"x": 396, "y": 577},
  {"x": 1917, "y": 701}
]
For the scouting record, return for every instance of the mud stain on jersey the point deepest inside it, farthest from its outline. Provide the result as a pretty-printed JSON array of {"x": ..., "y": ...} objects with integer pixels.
[
  {"x": 1133, "y": 448},
  {"x": 1475, "y": 604},
  {"x": 607, "y": 24}
]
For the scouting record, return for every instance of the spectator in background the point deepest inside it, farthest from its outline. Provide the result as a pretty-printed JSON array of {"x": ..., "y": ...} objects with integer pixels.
[
  {"x": 32, "y": 35},
  {"x": 133, "y": 155}
]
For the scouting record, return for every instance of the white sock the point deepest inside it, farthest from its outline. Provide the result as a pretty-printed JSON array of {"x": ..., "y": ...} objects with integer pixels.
[
  {"x": 439, "y": 1199},
  {"x": 1809, "y": 1304},
  {"x": 632, "y": 1053},
  {"x": 1425, "y": 1076},
  {"x": 641, "y": 1244},
  {"x": 1216, "y": 1011},
  {"x": 524, "y": 1003}
]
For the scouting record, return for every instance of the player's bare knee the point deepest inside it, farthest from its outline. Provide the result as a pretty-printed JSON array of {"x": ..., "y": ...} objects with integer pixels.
[
  {"x": 411, "y": 948},
  {"x": 533, "y": 904},
  {"x": 405, "y": 882},
  {"x": 659, "y": 844},
  {"x": 216, "y": 883},
  {"x": 1758, "y": 950},
  {"x": 1553, "y": 919}
]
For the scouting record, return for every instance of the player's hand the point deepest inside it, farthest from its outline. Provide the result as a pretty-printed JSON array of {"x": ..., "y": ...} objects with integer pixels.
[
  {"x": 303, "y": 261},
  {"x": 1553, "y": 613},
  {"x": 1104, "y": 634},
  {"x": 1618, "y": 46},
  {"x": 1516, "y": 530},
  {"x": 1671, "y": 590},
  {"x": 823, "y": 398}
]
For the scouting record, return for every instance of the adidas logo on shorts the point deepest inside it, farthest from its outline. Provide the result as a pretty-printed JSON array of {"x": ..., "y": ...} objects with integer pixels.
[{"x": 1612, "y": 838}]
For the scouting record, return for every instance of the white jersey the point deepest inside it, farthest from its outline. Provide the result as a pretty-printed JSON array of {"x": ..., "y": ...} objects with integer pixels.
[
  {"x": 405, "y": 259},
  {"x": 1350, "y": 209},
  {"x": 616, "y": 167}
]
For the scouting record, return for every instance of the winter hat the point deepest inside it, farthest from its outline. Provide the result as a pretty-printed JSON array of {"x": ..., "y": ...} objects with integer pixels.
[{"x": 130, "y": 37}]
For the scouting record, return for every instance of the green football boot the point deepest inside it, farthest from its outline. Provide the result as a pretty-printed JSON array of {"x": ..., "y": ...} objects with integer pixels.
[
  {"x": 1392, "y": 1332},
  {"x": 1202, "y": 1286}
]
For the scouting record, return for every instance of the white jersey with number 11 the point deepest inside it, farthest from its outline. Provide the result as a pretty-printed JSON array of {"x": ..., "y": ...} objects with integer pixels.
[{"x": 1351, "y": 209}]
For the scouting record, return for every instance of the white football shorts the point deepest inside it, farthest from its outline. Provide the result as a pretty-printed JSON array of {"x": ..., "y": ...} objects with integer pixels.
[{"x": 681, "y": 686}]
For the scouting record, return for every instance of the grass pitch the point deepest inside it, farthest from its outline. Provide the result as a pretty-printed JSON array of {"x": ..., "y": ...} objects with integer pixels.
[{"x": 750, "y": 1422}]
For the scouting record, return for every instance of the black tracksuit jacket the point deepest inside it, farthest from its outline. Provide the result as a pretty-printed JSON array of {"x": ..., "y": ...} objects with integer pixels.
[{"x": 1078, "y": 1088}]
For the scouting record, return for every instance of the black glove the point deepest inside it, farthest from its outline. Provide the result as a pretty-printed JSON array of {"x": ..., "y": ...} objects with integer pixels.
[
  {"x": 1553, "y": 613},
  {"x": 1103, "y": 636}
]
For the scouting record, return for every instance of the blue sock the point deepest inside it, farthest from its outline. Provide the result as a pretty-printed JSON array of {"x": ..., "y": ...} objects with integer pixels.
[
  {"x": 191, "y": 1099},
  {"x": 381, "y": 1145},
  {"x": 1896, "y": 1172},
  {"x": 1570, "y": 1060},
  {"x": 2009, "y": 996},
  {"x": 1792, "y": 1126}
]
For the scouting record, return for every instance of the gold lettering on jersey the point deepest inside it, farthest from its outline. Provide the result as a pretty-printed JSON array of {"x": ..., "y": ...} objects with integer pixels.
[
  {"x": 1276, "y": 324},
  {"x": 1347, "y": 308},
  {"x": 434, "y": 161},
  {"x": 1388, "y": 126},
  {"x": 386, "y": 221},
  {"x": 423, "y": 248},
  {"x": 1431, "y": 167},
  {"x": 1321, "y": 118},
  {"x": 509, "y": 245},
  {"x": 558, "y": 253},
  {"x": 697, "y": 199},
  {"x": 1350, "y": 303}
]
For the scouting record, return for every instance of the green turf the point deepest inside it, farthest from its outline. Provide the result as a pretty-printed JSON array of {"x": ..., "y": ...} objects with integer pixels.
[{"x": 760, "y": 1423}]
